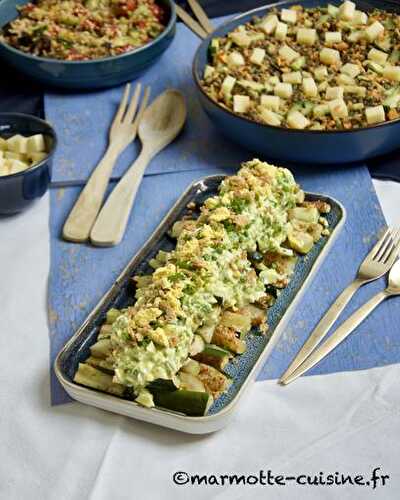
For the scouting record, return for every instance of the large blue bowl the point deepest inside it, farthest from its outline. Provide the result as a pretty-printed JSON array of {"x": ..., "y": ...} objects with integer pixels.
[
  {"x": 301, "y": 146},
  {"x": 97, "y": 73}
]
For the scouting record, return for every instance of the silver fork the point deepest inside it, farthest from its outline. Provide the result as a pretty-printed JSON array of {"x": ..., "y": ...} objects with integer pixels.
[
  {"x": 377, "y": 263},
  {"x": 122, "y": 132}
]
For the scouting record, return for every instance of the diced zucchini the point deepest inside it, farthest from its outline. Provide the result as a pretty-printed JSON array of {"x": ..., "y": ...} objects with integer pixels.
[
  {"x": 284, "y": 90},
  {"x": 374, "y": 31},
  {"x": 228, "y": 84},
  {"x": 334, "y": 93},
  {"x": 355, "y": 90},
  {"x": 197, "y": 345},
  {"x": 377, "y": 56},
  {"x": 257, "y": 56},
  {"x": 191, "y": 403},
  {"x": 268, "y": 25},
  {"x": 344, "y": 79},
  {"x": 352, "y": 70},
  {"x": 375, "y": 114},
  {"x": 347, "y": 10},
  {"x": 208, "y": 71},
  {"x": 270, "y": 117},
  {"x": 100, "y": 363},
  {"x": 281, "y": 31},
  {"x": 393, "y": 98},
  {"x": 329, "y": 56},
  {"x": 309, "y": 87},
  {"x": 321, "y": 110},
  {"x": 360, "y": 17},
  {"x": 332, "y": 37},
  {"x": 293, "y": 77},
  {"x": 289, "y": 16},
  {"x": 333, "y": 10},
  {"x": 112, "y": 315},
  {"x": 377, "y": 68},
  {"x": 105, "y": 331},
  {"x": 297, "y": 120},
  {"x": 249, "y": 84},
  {"x": 288, "y": 54},
  {"x": 321, "y": 73},
  {"x": 306, "y": 36},
  {"x": 338, "y": 108},
  {"x": 394, "y": 57},
  {"x": 392, "y": 73},
  {"x": 96, "y": 379},
  {"x": 241, "y": 39},
  {"x": 235, "y": 59},
  {"x": 271, "y": 102},
  {"x": 241, "y": 103},
  {"x": 168, "y": 385},
  {"x": 298, "y": 63}
]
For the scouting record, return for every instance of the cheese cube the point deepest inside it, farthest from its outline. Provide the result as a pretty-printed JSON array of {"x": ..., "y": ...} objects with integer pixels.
[
  {"x": 208, "y": 71},
  {"x": 241, "y": 39},
  {"x": 321, "y": 73},
  {"x": 289, "y": 16},
  {"x": 330, "y": 56},
  {"x": 284, "y": 90},
  {"x": 297, "y": 120},
  {"x": 271, "y": 102},
  {"x": 346, "y": 10},
  {"x": 236, "y": 59},
  {"x": 320, "y": 110},
  {"x": 269, "y": 24},
  {"x": 374, "y": 31},
  {"x": 257, "y": 56},
  {"x": 17, "y": 143},
  {"x": 344, "y": 79},
  {"x": 3, "y": 144},
  {"x": 332, "y": 37},
  {"x": 309, "y": 87},
  {"x": 241, "y": 103},
  {"x": 16, "y": 166},
  {"x": 334, "y": 93},
  {"x": 36, "y": 143},
  {"x": 11, "y": 155},
  {"x": 292, "y": 77},
  {"x": 375, "y": 114},
  {"x": 392, "y": 73},
  {"x": 338, "y": 108},
  {"x": 270, "y": 117},
  {"x": 228, "y": 84},
  {"x": 281, "y": 31},
  {"x": 288, "y": 54},
  {"x": 351, "y": 70},
  {"x": 306, "y": 36},
  {"x": 37, "y": 157},
  {"x": 360, "y": 17},
  {"x": 377, "y": 56}
]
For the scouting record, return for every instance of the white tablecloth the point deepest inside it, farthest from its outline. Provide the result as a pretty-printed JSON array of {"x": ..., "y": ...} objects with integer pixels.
[{"x": 346, "y": 423}]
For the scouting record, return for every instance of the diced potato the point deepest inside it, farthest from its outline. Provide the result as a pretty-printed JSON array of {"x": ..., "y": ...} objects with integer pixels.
[
  {"x": 228, "y": 84},
  {"x": 281, "y": 31},
  {"x": 241, "y": 39},
  {"x": 239, "y": 322},
  {"x": 301, "y": 242},
  {"x": 257, "y": 56},
  {"x": 338, "y": 108},
  {"x": 17, "y": 143},
  {"x": 289, "y": 16},
  {"x": 392, "y": 73},
  {"x": 374, "y": 31},
  {"x": 329, "y": 56},
  {"x": 11, "y": 155},
  {"x": 271, "y": 102},
  {"x": 360, "y": 17},
  {"x": 344, "y": 79},
  {"x": 334, "y": 93},
  {"x": 288, "y": 54},
  {"x": 351, "y": 70},
  {"x": 377, "y": 56},
  {"x": 375, "y": 114},
  {"x": 332, "y": 37},
  {"x": 241, "y": 103},
  {"x": 310, "y": 87},
  {"x": 16, "y": 166},
  {"x": 297, "y": 120},
  {"x": 36, "y": 144},
  {"x": 304, "y": 214},
  {"x": 37, "y": 157},
  {"x": 3, "y": 144},
  {"x": 4, "y": 167},
  {"x": 306, "y": 36},
  {"x": 321, "y": 73},
  {"x": 293, "y": 77},
  {"x": 320, "y": 110},
  {"x": 269, "y": 24},
  {"x": 270, "y": 117},
  {"x": 284, "y": 90},
  {"x": 346, "y": 10},
  {"x": 208, "y": 71},
  {"x": 236, "y": 59}
]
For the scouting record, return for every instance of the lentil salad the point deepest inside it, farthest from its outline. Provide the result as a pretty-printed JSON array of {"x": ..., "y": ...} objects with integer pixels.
[
  {"x": 324, "y": 68},
  {"x": 79, "y": 30}
]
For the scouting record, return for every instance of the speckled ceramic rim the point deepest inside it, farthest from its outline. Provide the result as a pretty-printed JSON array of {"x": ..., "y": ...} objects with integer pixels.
[
  {"x": 167, "y": 418},
  {"x": 237, "y": 19},
  {"x": 50, "y": 132},
  {"x": 48, "y": 60}
]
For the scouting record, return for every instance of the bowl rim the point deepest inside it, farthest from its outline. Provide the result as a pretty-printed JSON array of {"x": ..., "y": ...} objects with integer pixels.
[
  {"x": 51, "y": 132},
  {"x": 266, "y": 8},
  {"x": 50, "y": 60}
]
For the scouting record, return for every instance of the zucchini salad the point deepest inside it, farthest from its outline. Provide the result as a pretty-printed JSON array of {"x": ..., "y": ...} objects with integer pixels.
[
  {"x": 193, "y": 313},
  {"x": 333, "y": 68}
]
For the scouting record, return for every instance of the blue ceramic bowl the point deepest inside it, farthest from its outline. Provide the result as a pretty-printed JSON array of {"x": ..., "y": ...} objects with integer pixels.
[
  {"x": 19, "y": 191},
  {"x": 97, "y": 73},
  {"x": 300, "y": 146}
]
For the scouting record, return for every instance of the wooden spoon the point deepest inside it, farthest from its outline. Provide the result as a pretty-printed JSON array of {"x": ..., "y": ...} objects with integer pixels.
[{"x": 160, "y": 124}]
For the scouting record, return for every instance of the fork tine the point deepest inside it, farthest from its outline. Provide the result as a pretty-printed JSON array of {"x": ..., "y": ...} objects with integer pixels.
[
  {"x": 378, "y": 244},
  {"x": 130, "y": 113},
  {"x": 391, "y": 256},
  {"x": 385, "y": 244},
  {"x": 122, "y": 106},
  {"x": 143, "y": 106}
]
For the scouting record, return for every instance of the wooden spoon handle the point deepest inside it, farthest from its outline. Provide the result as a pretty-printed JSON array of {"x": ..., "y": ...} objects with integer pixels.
[
  {"x": 81, "y": 218},
  {"x": 110, "y": 225}
]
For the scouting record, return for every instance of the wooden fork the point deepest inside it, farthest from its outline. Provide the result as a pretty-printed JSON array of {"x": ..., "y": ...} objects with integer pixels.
[{"x": 122, "y": 132}]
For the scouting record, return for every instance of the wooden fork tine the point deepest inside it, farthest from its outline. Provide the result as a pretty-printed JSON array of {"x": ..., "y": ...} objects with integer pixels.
[
  {"x": 122, "y": 106},
  {"x": 143, "y": 106},
  {"x": 395, "y": 247},
  {"x": 201, "y": 15},
  {"x": 190, "y": 22},
  {"x": 130, "y": 113},
  {"x": 379, "y": 243},
  {"x": 385, "y": 244}
]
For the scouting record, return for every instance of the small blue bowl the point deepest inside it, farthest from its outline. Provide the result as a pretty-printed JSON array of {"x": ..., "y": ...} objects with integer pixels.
[
  {"x": 96, "y": 73},
  {"x": 289, "y": 145},
  {"x": 19, "y": 191}
]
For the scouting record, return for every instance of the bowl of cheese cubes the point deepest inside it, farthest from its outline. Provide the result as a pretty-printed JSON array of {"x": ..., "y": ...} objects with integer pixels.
[
  {"x": 313, "y": 81},
  {"x": 27, "y": 144}
]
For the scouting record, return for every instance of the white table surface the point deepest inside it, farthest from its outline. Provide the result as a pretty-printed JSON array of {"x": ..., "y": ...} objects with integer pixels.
[{"x": 347, "y": 422}]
